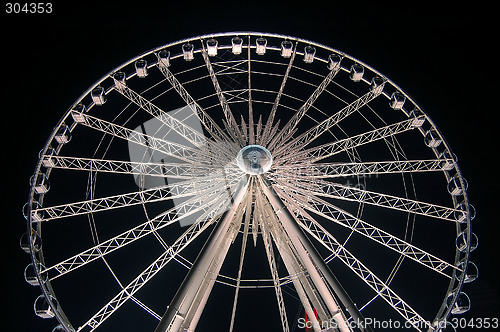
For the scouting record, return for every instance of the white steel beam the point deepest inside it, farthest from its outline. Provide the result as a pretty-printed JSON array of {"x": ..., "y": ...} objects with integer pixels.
[
  {"x": 327, "y": 150},
  {"x": 232, "y": 126},
  {"x": 345, "y": 219},
  {"x": 274, "y": 270},
  {"x": 336, "y": 170},
  {"x": 326, "y": 285},
  {"x": 169, "y": 148},
  {"x": 349, "y": 193},
  {"x": 193, "y": 136},
  {"x": 290, "y": 126},
  {"x": 171, "y": 170}
]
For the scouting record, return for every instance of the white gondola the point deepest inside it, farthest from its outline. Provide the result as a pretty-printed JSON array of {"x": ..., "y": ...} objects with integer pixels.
[
  {"x": 119, "y": 79},
  {"x": 397, "y": 100},
  {"x": 377, "y": 84},
  {"x": 163, "y": 58},
  {"x": 418, "y": 117},
  {"x": 63, "y": 135},
  {"x": 212, "y": 45},
  {"x": 357, "y": 72},
  {"x": 188, "y": 51},
  {"x": 334, "y": 61},
  {"x": 455, "y": 187},
  {"x": 141, "y": 68},
  {"x": 261, "y": 44},
  {"x": 42, "y": 307},
  {"x": 432, "y": 139},
  {"x": 78, "y": 114},
  {"x": 309, "y": 53},
  {"x": 98, "y": 95},
  {"x": 461, "y": 212},
  {"x": 286, "y": 48},
  {"x": 236, "y": 45},
  {"x": 41, "y": 184}
]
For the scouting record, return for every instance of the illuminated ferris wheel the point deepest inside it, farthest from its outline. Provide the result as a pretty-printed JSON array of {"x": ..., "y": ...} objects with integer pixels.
[{"x": 247, "y": 180}]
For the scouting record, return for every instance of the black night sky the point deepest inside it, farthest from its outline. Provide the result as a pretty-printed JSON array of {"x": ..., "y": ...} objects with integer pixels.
[{"x": 443, "y": 56}]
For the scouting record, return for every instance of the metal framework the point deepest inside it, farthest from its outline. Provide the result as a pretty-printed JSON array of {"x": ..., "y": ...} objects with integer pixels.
[{"x": 344, "y": 188}]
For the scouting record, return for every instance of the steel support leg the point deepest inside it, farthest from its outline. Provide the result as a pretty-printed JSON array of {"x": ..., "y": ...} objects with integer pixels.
[
  {"x": 188, "y": 304},
  {"x": 323, "y": 279}
]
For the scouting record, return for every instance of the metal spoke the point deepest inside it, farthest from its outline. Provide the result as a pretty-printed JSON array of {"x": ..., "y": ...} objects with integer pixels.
[
  {"x": 290, "y": 126},
  {"x": 169, "y": 148},
  {"x": 316, "y": 131},
  {"x": 189, "y": 207},
  {"x": 338, "y": 170},
  {"x": 330, "y": 149},
  {"x": 172, "y": 170},
  {"x": 210, "y": 125},
  {"x": 266, "y": 137},
  {"x": 232, "y": 126},
  {"x": 345, "y": 219},
  {"x": 340, "y": 191},
  {"x": 192, "y": 187}
]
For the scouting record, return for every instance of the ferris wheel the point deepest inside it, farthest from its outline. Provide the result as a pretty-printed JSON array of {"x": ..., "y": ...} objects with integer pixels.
[{"x": 243, "y": 181}]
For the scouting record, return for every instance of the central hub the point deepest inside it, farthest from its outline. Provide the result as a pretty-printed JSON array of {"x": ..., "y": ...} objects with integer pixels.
[{"x": 254, "y": 159}]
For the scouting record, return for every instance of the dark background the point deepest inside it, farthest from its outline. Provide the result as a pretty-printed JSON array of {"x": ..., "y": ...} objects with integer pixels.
[{"x": 443, "y": 56}]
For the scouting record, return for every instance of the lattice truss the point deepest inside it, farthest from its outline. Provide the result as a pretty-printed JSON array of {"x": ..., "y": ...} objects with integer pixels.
[{"x": 357, "y": 166}]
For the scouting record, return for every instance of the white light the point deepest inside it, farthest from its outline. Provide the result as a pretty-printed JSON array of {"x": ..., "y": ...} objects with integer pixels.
[
  {"x": 98, "y": 96},
  {"x": 357, "y": 72}
]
